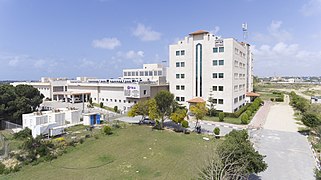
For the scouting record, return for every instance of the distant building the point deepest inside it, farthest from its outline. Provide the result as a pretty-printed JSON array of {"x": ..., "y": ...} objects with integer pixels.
[
  {"x": 203, "y": 65},
  {"x": 315, "y": 99},
  {"x": 123, "y": 92}
]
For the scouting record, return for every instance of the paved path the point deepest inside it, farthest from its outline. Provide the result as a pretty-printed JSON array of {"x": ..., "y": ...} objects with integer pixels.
[
  {"x": 260, "y": 117},
  {"x": 288, "y": 153}
]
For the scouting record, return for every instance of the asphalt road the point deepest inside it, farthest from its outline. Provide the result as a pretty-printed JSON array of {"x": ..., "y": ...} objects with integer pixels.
[{"x": 288, "y": 153}]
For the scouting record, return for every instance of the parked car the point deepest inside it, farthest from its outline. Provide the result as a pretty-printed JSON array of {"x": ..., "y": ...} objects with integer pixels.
[{"x": 147, "y": 121}]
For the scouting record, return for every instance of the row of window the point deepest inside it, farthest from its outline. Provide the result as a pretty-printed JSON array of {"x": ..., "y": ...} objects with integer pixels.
[
  {"x": 180, "y": 99},
  {"x": 238, "y": 52},
  {"x": 143, "y": 73},
  {"x": 239, "y": 87},
  {"x": 239, "y": 64},
  {"x": 218, "y": 101},
  {"x": 180, "y": 76},
  {"x": 180, "y": 53},
  {"x": 115, "y": 100},
  {"x": 180, "y": 87},
  {"x": 239, "y": 76},
  {"x": 240, "y": 98},
  {"x": 218, "y": 75},
  {"x": 180, "y": 64},
  {"x": 218, "y": 62},
  {"x": 43, "y": 88},
  {"x": 217, "y": 88},
  {"x": 218, "y": 49}
]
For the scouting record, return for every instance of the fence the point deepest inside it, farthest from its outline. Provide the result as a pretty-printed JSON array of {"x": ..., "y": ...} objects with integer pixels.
[{"x": 9, "y": 125}]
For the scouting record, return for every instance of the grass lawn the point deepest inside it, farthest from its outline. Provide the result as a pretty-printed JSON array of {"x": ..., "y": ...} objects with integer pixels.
[
  {"x": 136, "y": 152},
  {"x": 268, "y": 95}
]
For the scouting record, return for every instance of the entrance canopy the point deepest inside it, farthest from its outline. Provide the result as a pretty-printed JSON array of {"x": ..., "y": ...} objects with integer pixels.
[{"x": 196, "y": 100}]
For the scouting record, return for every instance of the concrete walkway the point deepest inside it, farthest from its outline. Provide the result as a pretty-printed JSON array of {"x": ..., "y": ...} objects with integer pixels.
[
  {"x": 260, "y": 117},
  {"x": 288, "y": 153}
]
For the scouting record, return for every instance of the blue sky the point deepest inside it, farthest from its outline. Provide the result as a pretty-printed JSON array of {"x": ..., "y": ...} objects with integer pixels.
[{"x": 98, "y": 38}]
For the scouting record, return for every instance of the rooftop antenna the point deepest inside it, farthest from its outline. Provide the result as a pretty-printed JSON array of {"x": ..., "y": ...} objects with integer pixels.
[{"x": 244, "y": 29}]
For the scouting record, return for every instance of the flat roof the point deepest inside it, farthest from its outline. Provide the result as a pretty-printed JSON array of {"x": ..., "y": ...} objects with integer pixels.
[{"x": 70, "y": 93}]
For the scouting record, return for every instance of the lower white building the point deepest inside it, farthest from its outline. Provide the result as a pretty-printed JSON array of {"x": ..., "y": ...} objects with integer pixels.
[
  {"x": 50, "y": 122},
  {"x": 122, "y": 92}
]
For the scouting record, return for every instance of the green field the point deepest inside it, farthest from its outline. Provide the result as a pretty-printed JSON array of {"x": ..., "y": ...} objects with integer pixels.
[{"x": 136, "y": 152}]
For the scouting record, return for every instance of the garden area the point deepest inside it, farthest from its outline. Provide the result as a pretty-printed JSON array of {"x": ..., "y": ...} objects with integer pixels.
[
  {"x": 134, "y": 152},
  {"x": 243, "y": 116}
]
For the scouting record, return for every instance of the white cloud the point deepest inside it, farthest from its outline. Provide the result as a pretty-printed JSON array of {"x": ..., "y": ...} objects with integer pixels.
[
  {"x": 14, "y": 61},
  {"x": 131, "y": 54},
  {"x": 312, "y": 7},
  {"x": 106, "y": 43},
  {"x": 146, "y": 33},
  {"x": 275, "y": 34},
  {"x": 215, "y": 30},
  {"x": 285, "y": 59},
  {"x": 39, "y": 63}
]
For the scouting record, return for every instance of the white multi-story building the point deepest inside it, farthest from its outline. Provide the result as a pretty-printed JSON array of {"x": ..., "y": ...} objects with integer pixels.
[
  {"x": 150, "y": 72},
  {"x": 123, "y": 92},
  {"x": 203, "y": 65}
]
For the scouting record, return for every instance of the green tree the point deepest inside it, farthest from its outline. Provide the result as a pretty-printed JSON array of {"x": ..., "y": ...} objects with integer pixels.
[
  {"x": 164, "y": 103},
  {"x": 178, "y": 116},
  {"x": 101, "y": 104},
  {"x": 185, "y": 124},
  {"x": 91, "y": 101},
  {"x": 216, "y": 131},
  {"x": 116, "y": 109},
  {"x": 211, "y": 109},
  {"x": 199, "y": 110},
  {"x": 234, "y": 158},
  {"x": 15, "y": 101},
  {"x": 141, "y": 108}
]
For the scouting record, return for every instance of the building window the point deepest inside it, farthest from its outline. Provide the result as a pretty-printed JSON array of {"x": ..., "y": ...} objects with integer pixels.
[
  {"x": 240, "y": 98},
  {"x": 220, "y": 88},
  {"x": 145, "y": 92},
  {"x": 221, "y": 49},
  {"x": 214, "y": 62},
  {"x": 243, "y": 96},
  {"x": 124, "y": 101},
  {"x": 125, "y": 73},
  {"x": 214, "y": 88},
  {"x": 177, "y": 76},
  {"x": 141, "y": 73},
  {"x": 146, "y": 73},
  {"x": 182, "y": 87},
  {"x": 235, "y": 88},
  {"x": 182, "y": 76},
  {"x": 115, "y": 100},
  {"x": 129, "y": 73},
  {"x": 182, "y": 99},
  {"x": 177, "y": 53},
  {"x": 221, "y": 62},
  {"x": 135, "y": 102},
  {"x": 160, "y": 73},
  {"x": 214, "y": 75},
  {"x": 119, "y": 101},
  {"x": 235, "y": 75},
  {"x": 177, "y": 87},
  {"x": 220, "y": 101},
  {"x": 215, "y": 101},
  {"x": 220, "y": 75},
  {"x": 177, "y": 64},
  {"x": 94, "y": 99},
  {"x": 150, "y": 73},
  {"x": 182, "y": 64},
  {"x": 177, "y": 98},
  {"x": 235, "y": 100},
  {"x": 155, "y": 73},
  {"x": 136, "y": 73},
  {"x": 111, "y": 100},
  {"x": 236, "y": 63},
  {"x": 182, "y": 52},
  {"x": 215, "y": 50}
]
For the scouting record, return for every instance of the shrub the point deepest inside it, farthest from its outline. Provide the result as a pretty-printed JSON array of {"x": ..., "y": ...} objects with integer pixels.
[
  {"x": 2, "y": 168},
  {"x": 23, "y": 134},
  {"x": 244, "y": 119},
  {"x": 248, "y": 112},
  {"x": 101, "y": 104},
  {"x": 185, "y": 124},
  {"x": 311, "y": 119},
  {"x": 221, "y": 116},
  {"x": 216, "y": 131},
  {"x": 279, "y": 99},
  {"x": 116, "y": 108},
  {"x": 107, "y": 130},
  {"x": 272, "y": 99}
]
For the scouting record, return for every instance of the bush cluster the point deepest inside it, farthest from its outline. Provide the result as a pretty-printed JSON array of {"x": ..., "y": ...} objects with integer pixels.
[{"x": 107, "y": 130}]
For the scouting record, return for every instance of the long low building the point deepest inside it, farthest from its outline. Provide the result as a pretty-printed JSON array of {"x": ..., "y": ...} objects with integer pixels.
[{"x": 123, "y": 92}]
